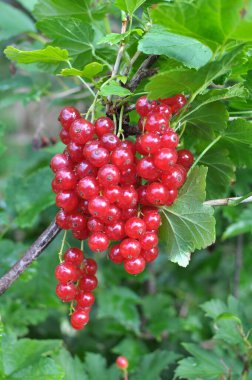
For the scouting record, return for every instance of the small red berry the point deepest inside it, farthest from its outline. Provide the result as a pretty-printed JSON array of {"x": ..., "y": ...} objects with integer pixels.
[
  {"x": 66, "y": 292},
  {"x": 79, "y": 319},
  {"x": 74, "y": 256},
  {"x": 81, "y": 131},
  {"x": 115, "y": 255},
  {"x": 121, "y": 361},
  {"x": 134, "y": 266},
  {"x": 98, "y": 242},
  {"x": 88, "y": 283},
  {"x": 103, "y": 125},
  {"x": 130, "y": 248},
  {"x": 67, "y": 116}
]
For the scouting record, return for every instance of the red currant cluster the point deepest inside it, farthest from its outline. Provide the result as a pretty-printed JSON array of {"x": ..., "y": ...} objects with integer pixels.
[
  {"x": 110, "y": 190},
  {"x": 77, "y": 280}
]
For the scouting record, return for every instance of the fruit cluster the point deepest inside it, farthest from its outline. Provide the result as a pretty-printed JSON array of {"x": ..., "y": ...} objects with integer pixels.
[{"x": 110, "y": 189}]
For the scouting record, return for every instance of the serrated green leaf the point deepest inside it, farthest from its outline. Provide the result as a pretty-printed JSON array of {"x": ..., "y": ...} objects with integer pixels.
[
  {"x": 73, "y": 368},
  {"x": 114, "y": 88},
  {"x": 220, "y": 172},
  {"x": 28, "y": 4},
  {"x": 188, "y": 224},
  {"x": 189, "y": 51},
  {"x": 241, "y": 226},
  {"x": 13, "y": 22},
  {"x": 50, "y": 54},
  {"x": 129, "y": 6},
  {"x": 214, "y": 308},
  {"x": 90, "y": 71},
  {"x": 96, "y": 367},
  {"x": 113, "y": 38},
  {"x": 228, "y": 316},
  {"x": 132, "y": 348}
]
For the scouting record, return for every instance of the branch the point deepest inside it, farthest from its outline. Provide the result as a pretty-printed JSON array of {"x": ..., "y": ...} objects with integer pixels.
[
  {"x": 33, "y": 252},
  {"x": 142, "y": 72},
  {"x": 226, "y": 201}
]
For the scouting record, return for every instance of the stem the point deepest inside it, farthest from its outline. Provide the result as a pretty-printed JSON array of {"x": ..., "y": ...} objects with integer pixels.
[
  {"x": 92, "y": 108},
  {"x": 120, "y": 129},
  {"x": 82, "y": 245},
  {"x": 226, "y": 201},
  {"x": 204, "y": 152},
  {"x": 62, "y": 246},
  {"x": 82, "y": 80},
  {"x": 125, "y": 374}
]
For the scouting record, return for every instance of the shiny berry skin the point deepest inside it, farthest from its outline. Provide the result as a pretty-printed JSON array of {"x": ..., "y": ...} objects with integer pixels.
[
  {"x": 88, "y": 283},
  {"x": 150, "y": 142},
  {"x": 146, "y": 169},
  {"x": 110, "y": 141},
  {"x": 84, "y": 169},
  {"x": 169, "y": 139},
  {"x": 95, "y": 225},
  {"x": 112, "y": 193},
  {"x": 143, "y": 106},
  {"x": 99, "y": 157},
  {"x": 156, "y": 122},
  {"x": 174, "y": 177},
  {"x": 81, "y": 131},
  {"x": 164, "y": 158},
  {"x": 172, "y": 195},
  {"x": 178, "y": 101},
  {"x": 128, "y": 197},
  {"x": 67, "y": 116},
  {"x": 87, "y": 187},
  {"x": 90, "y": 267},
  {"x": 108, "y": 175},
  {"x": 135, "y": 227},
  {"x": 74, "y": 256},
  {"x": 128, "y": 145},
  {"x": 128, "y": 213},
  {"x": 157, "y": 194},
  {"x": 66, "y": 292},
  {"x": 65, "y": 272},
  {"x": 134, "y": 266},
  {"x": 122, "y": 158},
  {"x": 98, "y": 242},
  {"x": 103, "y": 125},
  {"x": 130, "y": 248},
  {"x": 115, "y": 231},
  {"x": 64, "y": 137},
  {"x": 121, "y": 361},
  {"x": 139, "y": 146},
  {"x": 75, "y": 151},
  {"x": 90, "y": 146},
  {"x": 80, "y": 234},
  {"x": 115, "y": 255},
  {"x": 185, "y": 158},
  {"x": 163, "y": 109},
  {"x": 60, "y": 162},
  {"x": 150, "y": 255},
  {"x": 65, "y": 180},
  {"x": 62, "y": 220},
  {"x": 98, "y": 206},
  {"x": 55, "y": 187},
  {"x": 152, "y": 220},
  {"x": 67, "y": 200},
  {"x": 77, "y": 221},
  {"x": 79, "y": 319},
  {"x": 149, "y": 240},
  {"x": 128, "y": 176},
  {"x": 113, "y": 215},
  {"x": 83, "y": 204},
  {"x": 142, "y": 199},
  {"x": 85, "y": 299}
]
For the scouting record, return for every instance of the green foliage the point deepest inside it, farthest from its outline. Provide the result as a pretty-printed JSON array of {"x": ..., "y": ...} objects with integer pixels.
[{"x": 48, "y": 55}]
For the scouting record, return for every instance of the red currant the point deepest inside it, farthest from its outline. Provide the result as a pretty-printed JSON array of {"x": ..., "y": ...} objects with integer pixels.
[
  {"x": 88, "y": 283},
  {"x": 103, "y": 125},
  {"x": 87, "y": 187},
  {"x": 109, "y": 175},
  {"x": 150, "y": 255},
  {"x": 66, "y": 292},
  {"x": 74, "y": 256},
  {"x": 134, "y": 266},
  {"x": 81, "y": 131},
  {"x": 65, "y": 272},
  {"x": 164, "y": 158},
  {"x": 67, "y": 200},
  {"x": 143, "y": 106},
  {"x": 67, "y": 116},
  {"x": 121, "y": 361},
  {"x": 157, "y": 193},
  {"x": 130, "y": 248},
  {"x": 135, "y": 227},
  {"x": 98, "y": 242},
  {"x": 185, "y": 158},
  {"x": 149, "y": 240},
  {"x": 79, "y": 319},
  {"x": 115, "y": 255}
]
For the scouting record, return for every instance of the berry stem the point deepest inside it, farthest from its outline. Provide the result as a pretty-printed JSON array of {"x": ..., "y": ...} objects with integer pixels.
[
  {"x": 92, "y": 108},
  {"x": 62, "y": 246},
  {"x": 204, "y": 152},
  {"x": 82, "y": 245},
  {"x": 82, "y": 80},
  {"x": 125, "y": 374},
  {"x": 120, "y": 129}
]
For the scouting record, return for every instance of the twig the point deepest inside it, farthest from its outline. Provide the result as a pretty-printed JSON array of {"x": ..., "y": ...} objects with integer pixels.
[
  {"x": 238, "y": 264},
  {"x": 33, "y": 252},
  {"x": 226, "y": 201},
  {"x": 142, "y": 72}
]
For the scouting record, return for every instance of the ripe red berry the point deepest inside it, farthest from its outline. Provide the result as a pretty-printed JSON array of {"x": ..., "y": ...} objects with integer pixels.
[
  {"x": 60, "y": 162},
  {"x": 79, "y": 319},
  {"x": 103, "y": 125},
  {"x": 121, "y": 361},
  {"x": 178, "y": 101},
  {"x": 98, "y": 206},
  {"x": 110, "y": 141},
  {"x": 87, "y": 187},
  {"x": 98, "y": 242},
  {"x": 65, "y": 272},
  {"x": 64, "y": 136},
  {"x": 163, "y": 109},
  {"x": 95, "y": 225},
  {"x": 146, "y": 169},
  {"x": 112, "y": 193},
  {"x": 115, "y": 255},
  {"x": 74, "y": 256},
  {"x": 157, "y": 194},
  {"x": 89, "y": 267},
  {"x": 80, "y": 234},
  {"x": 130, "y": 248},
  {"x": 150, "y": 255},
  {"x": 81, "y": 131},
  {"x": 164, "y": 158},
  {"x": 90, "y": 146},
  {"x": 67, "y": 116},
  {"x": 99, "y": 157},
  {"x": 149, "y": 240},
  {"x": 108, "y": 175},
  {"x": 66, "y": 292},
  {"x": 156, "y": 123},
  {"x": 115, "y": 231},
  {"x": 85, "y": 299},
  {"x": 135, "y": 227},
  {"x": 84, "y": 168},
  {"x": 149, "y": 142},
  {"x": 88, "y": 283},
  {"x": 62, "y": 220},
  {"x": 67, "y": 200},
  {"x": 113, "y": 215},
  {"x": 128, "y": 197},
  {"x": 169, "y": 139},
  {"x": 122, "y": 158},
  {"x": 142, "y": 199},
  {"x": 65, "y": 180},
  {"x": 171, "y": 196},
  {"x": 174, "y": 177},
  {"x": 134, "y": 266},
  {"x": 77, "y": 221},
  {"x": 75, "y": 151},
  {"x": 152, "y": 220},
  {"x": 185, "y": 158},
  {"x": 143, "y": 106},
  {"x": 128, "y": 213}
]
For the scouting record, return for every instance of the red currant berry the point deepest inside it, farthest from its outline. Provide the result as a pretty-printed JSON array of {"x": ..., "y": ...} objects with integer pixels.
[
  {"x": 169, "y": 139},
  {"x": 83, "y": 204},
  {"x": 122, "y": 158},
  {"x": 134, "y": 266},
  {"x": 157, "y": 194},
  {"x": 113, "y": 215},
  {"x": 74, "y": 256},
  {"x": 135, "y": 227},
  {"x": 79, "y": 319},
  {"x": 65, "y": 272},
  {"x": 84, "y": 169},
  {"x": 112, "y": 193},
  {"x": 174, "y": 177},
  {"x": 64, "y": 136},
  {"x": 178, "y": 101},
  {"x": 185, "y": 158},
  {"x": 85, "y": 299},
  {"x": 150, "y": 142},
  {"x": 156, "y": 122},
  {"x": 60, "y": 162},
  {"x": 62, "y": 220},
  {"x": 77, "y": 221},
  {"x": 80, "y": 234},
  {"x": 128, "y": 198},
  {"x": 129, "y": 176},
  {"x": 121, "y": 361},
  {"x": 88, "y": 283},
  {"x": 67, "y": 200},
  {"x": 143, "y": 106},
  {"x": 163, "y": 109},
  {"x": 65, "y": 180},
  {"x": 67, "y": 116},
  {"x": 75, "y": 151},
  {"x": 90, "y": 267},
  {"x": 110, "y": 141},
  {"x": 98, "y": 206},
  {"x": 99, "y": 157},
  {"x": 164, "y": 158},
  {"x": 98, "y": 242},
  {"x": 130, "y": 248},
  {"x": 81, "y": 131},
  {"x": 115, "y": 255},
  {"x": 128, "y": 213},
  {"x": 152, "y": 220},
  {"x": 128, "y": 145},
  {"x": 103, "y": 125},
  {"x": 66, "y": 292},
  {"x": 142, "y": 199},
  {"x": 150, "y": 255},
  {"x": 95, "y": 225},
  {"x": 90, "y": 146},
  {"x": 171, "y": 196},
  {"x": 146, "y": 169},
  {"x": 55, "y": 187},
  {"x": 139, "y": 146},
  {"x": 87, "y": 187},
  {"x": 115, "y": 231},
  {"x": 149, "y": 240},
  {"x": 108, "y": 175}
]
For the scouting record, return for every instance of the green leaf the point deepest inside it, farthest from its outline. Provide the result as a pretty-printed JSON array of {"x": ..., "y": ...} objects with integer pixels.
[
  {"x": 189, "y": 51},
  {"x": 115, "y": 38},
  {"x": 132, "y": 348},
  {"x": 28, "y": 4},
  {"x": 152, "y": 364},
  {"x": 129, "y": 6},
  {"x": 188, "y": 224},
  {"x": 241, "y": 226},
  {"x": 214, "y": 23},
  {"x": 190, "y": 81},
  {"x": 74, "y": 369},
  {"x": 96, "y": 367},
  {"x": 214, "y": 308},
  {"x": 220, "y": 172},
  {"x": 89, "y": 71},
  {"x": 13, "y": 22},
  {"x": 50, "y": 54},
  {"x": 114, "y": 88}
]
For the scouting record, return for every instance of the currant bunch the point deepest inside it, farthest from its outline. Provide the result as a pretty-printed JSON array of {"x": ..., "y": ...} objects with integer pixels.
[{"x": 109, "y": 190}]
